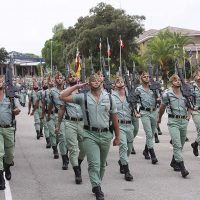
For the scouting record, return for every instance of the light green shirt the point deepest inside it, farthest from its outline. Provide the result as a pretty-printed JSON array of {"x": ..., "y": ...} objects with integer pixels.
[
  {"x": 99, "y": 113},
  {"x": 54, "y": 97},
  {"x": 196, "y": 94},
  {"x": 175, "y": 105}
]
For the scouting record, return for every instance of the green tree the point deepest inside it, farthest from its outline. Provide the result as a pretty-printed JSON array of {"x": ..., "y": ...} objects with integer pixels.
[{"x": 3, "y": 55}]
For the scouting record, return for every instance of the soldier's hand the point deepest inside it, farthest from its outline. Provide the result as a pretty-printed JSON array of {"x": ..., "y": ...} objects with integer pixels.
[
  {"x": 80, "y": 85},
  {"x": 16, "y": 111},
  {"x": 159, "y": 120},
  {"x": 137, "y": 115},
  {"x": 57, "y": 130},
  {"x": 116, "y": 141}
]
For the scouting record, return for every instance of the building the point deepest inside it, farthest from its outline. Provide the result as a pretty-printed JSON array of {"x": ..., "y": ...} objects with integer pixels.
[
  {"x": 193, "y": 34},
  {"x": 23, "y": 64}
]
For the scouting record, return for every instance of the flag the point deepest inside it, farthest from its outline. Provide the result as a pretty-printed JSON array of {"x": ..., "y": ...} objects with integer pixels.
[
  {"x": 121, "y": 42},
  {"x": 108, "y": 48},
  {"x": 197, "y": 54},
  {"x": 78, "y": 64}
]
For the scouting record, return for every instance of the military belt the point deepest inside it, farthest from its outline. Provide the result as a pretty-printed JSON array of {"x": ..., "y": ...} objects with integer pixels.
[
  {"x": 6, "y": 126},
  {"x": 177, "y": 116},
  {"x": 124, "y": 122},
  {"x": 73, "y": 118},
  {"x": 95, "y": 129},
  {"x": 148, "y": 109}
]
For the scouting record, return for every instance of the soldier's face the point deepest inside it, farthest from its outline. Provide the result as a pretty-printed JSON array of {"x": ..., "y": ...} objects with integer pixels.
[
  {"x": 119, "y": 84},
  {"x": 95, "y": 84},
  {"x": 101, "y": 77},
  {"x": 176, "y": 82},
  {"x": 197, "y": 77},
  {"x": 59, "y": 80},
  {"x": 51, "y": 83},
  {"x": 73, "y": 79},
  {"x": 145, "y": 79}
]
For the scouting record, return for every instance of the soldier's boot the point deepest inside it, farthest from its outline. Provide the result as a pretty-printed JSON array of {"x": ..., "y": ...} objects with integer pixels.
[
  {"x": 55, "y": 152},
  {"x": 7, "y": 171},
  {"x": 146, "y": 153},
  {"x": 64, "y": 162},
  {"x": 77, "y": 172},
  {"x": 79, "y": 164},
  {"x": 127, "y": 174},
  {"x": 194, "y": 145},
  {"x": 121, "y": 169},
  {"x": 154, "y": 160},
  {"x": 175, "y": 165},
  {"x": 133, "y": 150},
  {"x": 41, "y": 133},
  {"x": 184, "y": 172},
  {"x": 2, "y": 181},
  {"x": 38, "y": 134},
  {"x": 48, "y": 143},
  {"x": 156, "y": 138},
  {"x": 98, "y": 193},
  {"x": 159, "y": 131}
]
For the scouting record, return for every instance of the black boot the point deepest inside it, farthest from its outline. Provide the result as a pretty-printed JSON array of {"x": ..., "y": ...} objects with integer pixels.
[
  {"x": 156, "y": 138},
  {"x": 146, "y": 153},
  {"x": 184, "y": 172},
  {"x": 127, "y": 176},
  {"x": 64, "y": 162},
  {"x": 41, "y": 133},
  {"x": 98, "y": 193},
  {"x": 159, "y": 131},
  {"x": 153, "y": 156},
  {"x": 79, "y": 164},
  {"x": 133, "y": 150},
  {"x": 55, "y": 152},
  {"x": 78, "y": 178},
  {"x": 48, "y": 145},
  {"x": 195, "y": 148},
  {"x": 2, "y": 181},
  {"x": 7, "y": 171},
  {"x": 175, "y": 165},
  {"x": 38, "y": 134},
  {"x": 121, "y": 169}
]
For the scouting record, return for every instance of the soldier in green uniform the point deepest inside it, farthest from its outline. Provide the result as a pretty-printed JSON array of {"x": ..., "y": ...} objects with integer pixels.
[
  {"x": 196, "y": 112},
  {"x": 135, "y": 122},
  {"x": 126, "y": 127},
  {"x": 6, "y": 134},
  {"x": 23, "y": 93},
  {"x": 44, "y": 98},
  {"x": 73, "y": 129},
  {"x": 33, "y": 102},
  {"x": 56, "y": 103},
  {"x": 98, "y": 107},
  {"x": 178, "y": 116},
  {"x": 148, "y": 101}
]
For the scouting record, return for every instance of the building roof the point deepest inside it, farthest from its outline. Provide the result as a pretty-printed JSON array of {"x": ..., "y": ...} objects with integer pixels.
[{"x": 152, "y": 32}]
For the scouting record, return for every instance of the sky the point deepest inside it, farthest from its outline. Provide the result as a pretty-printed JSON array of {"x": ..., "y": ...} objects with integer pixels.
[{"x": 27, "y": 24}]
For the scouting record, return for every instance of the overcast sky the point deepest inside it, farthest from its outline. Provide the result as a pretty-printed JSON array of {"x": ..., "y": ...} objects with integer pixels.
[{"x": 27, "y": 24}]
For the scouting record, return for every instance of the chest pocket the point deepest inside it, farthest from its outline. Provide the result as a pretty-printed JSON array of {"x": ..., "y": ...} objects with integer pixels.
[{"x": 105, "y": 107}]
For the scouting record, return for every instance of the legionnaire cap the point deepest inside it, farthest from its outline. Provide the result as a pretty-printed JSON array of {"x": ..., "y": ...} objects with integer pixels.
[
  {"x": 144, "y": 74},
  {"x": 58, "y": 74},
  {"x": 118, "y": 78},
  {"x": 173, "y": 78},
  {"x": 71, "y": 73},
  {"x": 93, "y": 77}
]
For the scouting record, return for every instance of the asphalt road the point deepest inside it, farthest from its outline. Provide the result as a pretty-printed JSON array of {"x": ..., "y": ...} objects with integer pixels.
[{"x": 37, "y": 176}]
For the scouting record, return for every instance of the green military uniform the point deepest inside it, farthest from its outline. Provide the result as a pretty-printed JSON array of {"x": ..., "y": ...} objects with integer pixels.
[
  {"x": 148, "y": 113},
  {"x": 196, "y": 113},
  {"x": 54, "y": 97},
  {"x": 176, "y": 106},
  {"x": 7, "y": 139},
  {"x": 23, "y": 94},
  {"x": 126, "y": 128},
  {"x": 97, "y": 137}
]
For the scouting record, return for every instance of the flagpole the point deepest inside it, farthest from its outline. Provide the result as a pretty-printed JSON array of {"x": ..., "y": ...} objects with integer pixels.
[
  {"x": 100, "y": 54},
  {"x": 120, "y": 56}
]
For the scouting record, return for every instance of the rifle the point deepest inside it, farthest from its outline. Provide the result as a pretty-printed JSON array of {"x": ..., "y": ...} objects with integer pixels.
[
  {"x": 10, "y": 89},
  {"x": 132, "y": 98},
  {"x": 185, "y": 87},
  {"x": 107, "y": 84},
  {"x": 155, "y": 85},
  {"x": 85, "y": 89}
]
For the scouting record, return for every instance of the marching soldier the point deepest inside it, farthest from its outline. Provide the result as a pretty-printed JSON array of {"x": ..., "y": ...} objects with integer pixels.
[
  {"x": 148, "y": 102},
  {"x": 126, "y": 127},
  {"x": 196, "y": 111},
  {"x": 7, "y": 130},
  {"x": 98, "y": 107},
  {"x": 178, "y": 116}
]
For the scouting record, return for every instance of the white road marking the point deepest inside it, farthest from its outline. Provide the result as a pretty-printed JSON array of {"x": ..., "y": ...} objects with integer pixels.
[{"x": 8, "y": 195}]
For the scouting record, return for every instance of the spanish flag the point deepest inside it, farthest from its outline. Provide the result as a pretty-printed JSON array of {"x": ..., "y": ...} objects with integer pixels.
[{"x": 78, "y": 64}]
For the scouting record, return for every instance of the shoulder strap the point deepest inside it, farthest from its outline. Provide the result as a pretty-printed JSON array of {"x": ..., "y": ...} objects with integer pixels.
[
  {"x": 110, "y": 98},
  {"x": 86, "y": 108}
]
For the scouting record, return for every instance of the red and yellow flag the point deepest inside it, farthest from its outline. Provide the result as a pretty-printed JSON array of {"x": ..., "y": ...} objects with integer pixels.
[{"x": 78, "y": 64}]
